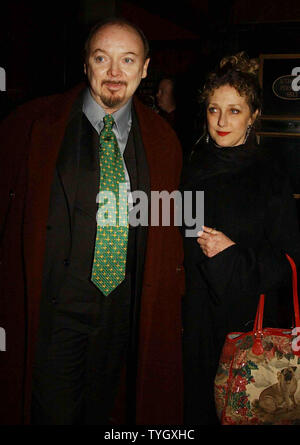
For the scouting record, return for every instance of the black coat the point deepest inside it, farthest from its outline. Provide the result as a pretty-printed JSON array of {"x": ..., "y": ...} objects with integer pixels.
[{"x": 249, "y": 199}]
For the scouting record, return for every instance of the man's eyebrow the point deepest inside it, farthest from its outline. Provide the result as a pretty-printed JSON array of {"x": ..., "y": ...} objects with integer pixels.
[
  {"x": 105, "y": 52},
  {"x": 99, "y": 49}
]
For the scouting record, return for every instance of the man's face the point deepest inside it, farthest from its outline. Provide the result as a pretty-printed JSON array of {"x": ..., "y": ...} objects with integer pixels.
[
  {"x": 164, "y": 95},
  {"x": 115, "y": 65}
]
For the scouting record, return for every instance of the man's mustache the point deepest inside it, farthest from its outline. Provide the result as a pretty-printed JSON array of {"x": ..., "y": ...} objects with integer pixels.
[{"x": 114, "y": 82}]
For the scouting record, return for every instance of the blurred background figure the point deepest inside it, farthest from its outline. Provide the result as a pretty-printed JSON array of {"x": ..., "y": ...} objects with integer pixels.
[
  {"x": 174, "y": 104},
  {"x": 166, "y": 100}
]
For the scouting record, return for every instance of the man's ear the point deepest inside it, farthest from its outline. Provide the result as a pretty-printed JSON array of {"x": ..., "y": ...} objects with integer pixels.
[{"x": 145, "y": 68}]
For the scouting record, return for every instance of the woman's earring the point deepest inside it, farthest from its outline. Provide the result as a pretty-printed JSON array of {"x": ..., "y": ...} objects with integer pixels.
[
  {"x": 207, "y": 138},
  {"x": 249, "y": 128}
]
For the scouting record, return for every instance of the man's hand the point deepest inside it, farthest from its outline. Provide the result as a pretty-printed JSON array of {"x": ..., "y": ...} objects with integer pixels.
[{"x": 212, "y": 241}]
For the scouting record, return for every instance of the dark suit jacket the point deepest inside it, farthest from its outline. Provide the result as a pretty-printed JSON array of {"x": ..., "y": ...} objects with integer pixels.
[
  {"x": 66, "y": 177},
  {"x": 30, "y": 142}
]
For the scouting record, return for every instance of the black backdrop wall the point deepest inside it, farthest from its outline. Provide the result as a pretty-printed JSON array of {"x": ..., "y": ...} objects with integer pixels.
[{"x": 41, "y": 44}]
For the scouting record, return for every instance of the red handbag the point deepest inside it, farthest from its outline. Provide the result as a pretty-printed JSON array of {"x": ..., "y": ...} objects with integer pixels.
[{"x": 258, "y": 378}]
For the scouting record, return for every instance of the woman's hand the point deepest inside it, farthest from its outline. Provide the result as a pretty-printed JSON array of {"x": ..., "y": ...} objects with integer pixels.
[{"x": 212, "y": 241}]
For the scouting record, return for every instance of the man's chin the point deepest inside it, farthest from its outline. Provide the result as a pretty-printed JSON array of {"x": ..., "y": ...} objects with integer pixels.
[{"x": 112, "y": 101}]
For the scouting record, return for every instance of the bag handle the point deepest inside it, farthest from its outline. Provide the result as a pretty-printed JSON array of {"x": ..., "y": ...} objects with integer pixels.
[
  {"x": 295, "y": 290},
  {"x": 257, "y": 347},
  {"x": 258, "y": 323}
]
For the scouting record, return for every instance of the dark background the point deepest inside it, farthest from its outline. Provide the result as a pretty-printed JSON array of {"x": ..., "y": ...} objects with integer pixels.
[
  {"x": 41, "y": 42},
  {"x": 41, "y": 45}
]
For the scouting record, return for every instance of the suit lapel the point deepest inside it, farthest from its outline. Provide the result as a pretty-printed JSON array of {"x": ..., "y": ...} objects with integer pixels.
[
  {"x": 68, "y": 162},
  {"x": 143, "y": 180},
  {"x": 143, "y": 184}
]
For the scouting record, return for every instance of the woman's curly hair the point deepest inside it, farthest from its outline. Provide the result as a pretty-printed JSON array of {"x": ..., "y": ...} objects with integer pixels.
[{"x": 239, "y": 72}]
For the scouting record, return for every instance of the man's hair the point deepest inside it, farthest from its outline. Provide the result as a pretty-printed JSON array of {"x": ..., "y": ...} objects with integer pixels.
[{"x": 119, "y": 21}]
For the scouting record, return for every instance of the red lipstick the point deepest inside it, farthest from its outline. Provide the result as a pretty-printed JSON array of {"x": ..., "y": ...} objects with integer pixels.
[{"x": 223, "y": 133}]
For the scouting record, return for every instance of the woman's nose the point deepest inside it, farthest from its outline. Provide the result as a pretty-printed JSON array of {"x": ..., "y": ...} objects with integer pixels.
[{"x": 222, "y": 120}]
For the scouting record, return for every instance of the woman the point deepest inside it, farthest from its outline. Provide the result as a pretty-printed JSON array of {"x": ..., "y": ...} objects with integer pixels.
[{"x": 250, "y": 221}]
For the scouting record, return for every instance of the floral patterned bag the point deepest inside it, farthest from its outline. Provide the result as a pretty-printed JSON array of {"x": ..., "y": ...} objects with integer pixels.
[{"x": 258, "y": 379}]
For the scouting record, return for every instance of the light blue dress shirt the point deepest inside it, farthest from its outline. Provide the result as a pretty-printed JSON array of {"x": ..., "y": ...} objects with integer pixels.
[{"x": 123, "y": 119}]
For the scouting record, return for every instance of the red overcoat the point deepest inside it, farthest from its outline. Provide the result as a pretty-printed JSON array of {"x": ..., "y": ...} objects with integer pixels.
[{"x": 30, "y": 139}]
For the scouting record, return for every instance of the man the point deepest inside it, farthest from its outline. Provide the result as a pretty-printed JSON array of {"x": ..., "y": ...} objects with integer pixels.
[
  {"x": 68, "y": 335},
  {"x": 166, "y": 100},
  {"x": 173, "y": 110}
]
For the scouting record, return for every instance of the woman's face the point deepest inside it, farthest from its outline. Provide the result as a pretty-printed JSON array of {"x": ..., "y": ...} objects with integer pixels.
[{"x": 228, "y": 116}]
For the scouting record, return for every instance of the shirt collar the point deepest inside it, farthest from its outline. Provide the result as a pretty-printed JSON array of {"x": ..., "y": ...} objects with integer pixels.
[{"x": 95, "y": 113}]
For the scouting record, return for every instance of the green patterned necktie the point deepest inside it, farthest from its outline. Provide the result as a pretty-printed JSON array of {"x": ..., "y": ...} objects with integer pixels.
[{"x": 112, "y": 217}]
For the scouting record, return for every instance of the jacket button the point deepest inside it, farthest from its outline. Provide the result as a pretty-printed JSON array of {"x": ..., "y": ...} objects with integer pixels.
[
  {"x": 12, "y": 194},
  {"x": 54, "y": 300},
  {"x": 66, "y": 262}
]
